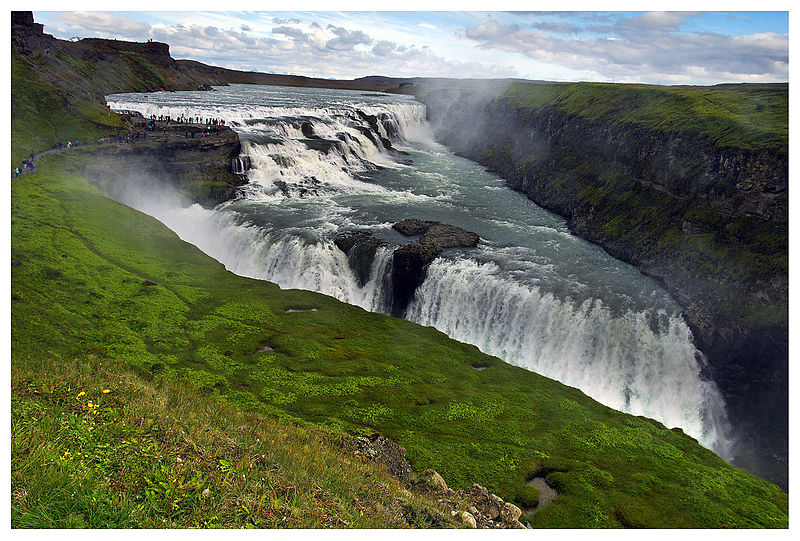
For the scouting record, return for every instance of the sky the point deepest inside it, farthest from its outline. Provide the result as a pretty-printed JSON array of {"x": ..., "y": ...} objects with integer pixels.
[{"x": 618, "y": 46}]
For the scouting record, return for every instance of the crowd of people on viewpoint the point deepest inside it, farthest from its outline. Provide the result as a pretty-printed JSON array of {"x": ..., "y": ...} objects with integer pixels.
[
  {"x": 209, "y": 122},
  {"x": 156, "y": 123},
  {"x": 211, "y": 125}
]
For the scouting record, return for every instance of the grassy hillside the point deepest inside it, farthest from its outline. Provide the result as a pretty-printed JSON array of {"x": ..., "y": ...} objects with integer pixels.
[
  {"x": 40, "y": 116},
  {"x": 94, "y": 446}
]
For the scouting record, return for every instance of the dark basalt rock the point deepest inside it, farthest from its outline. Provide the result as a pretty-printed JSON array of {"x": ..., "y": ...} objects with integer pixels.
[
  {"x": 196, "y": 161},
  {"x": 323, "y": 145},
  {"x": 308, "y": 130},
  {"x": 368, "y": 134},
  {"x": 409, "y": 268},
  {"x": 360, "y": 248},
  {"x": 437, "y": 236},
  {"x": 372, "y": 120},
  {"x": 410, "y": 263}
]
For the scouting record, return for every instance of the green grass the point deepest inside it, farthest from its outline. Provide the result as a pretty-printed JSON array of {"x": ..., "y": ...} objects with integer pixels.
[
  {"x": 94, "y": 447},
  {"x": 136, "y": 300},
  {"x": 738, "y": 116}
]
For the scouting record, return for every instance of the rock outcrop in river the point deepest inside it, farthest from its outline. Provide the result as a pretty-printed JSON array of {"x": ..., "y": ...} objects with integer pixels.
[{"x": 409, "y": 262}]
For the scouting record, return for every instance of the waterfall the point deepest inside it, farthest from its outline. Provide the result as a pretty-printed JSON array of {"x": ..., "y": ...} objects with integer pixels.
[
  {"x": 240, "y": 165},
  {"x": 305, "y": 165},
  {"x": 638, "y": 362}
]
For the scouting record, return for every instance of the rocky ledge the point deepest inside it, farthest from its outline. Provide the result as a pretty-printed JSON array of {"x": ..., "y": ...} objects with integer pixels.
[
  {"x": 410, "y": 263},
  {"x": 475, "y": 507},
  {"x": 195, "y": 159}
]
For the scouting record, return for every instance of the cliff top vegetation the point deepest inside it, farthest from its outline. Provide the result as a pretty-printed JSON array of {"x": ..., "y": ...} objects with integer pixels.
[{"x": 749, "y": 116}]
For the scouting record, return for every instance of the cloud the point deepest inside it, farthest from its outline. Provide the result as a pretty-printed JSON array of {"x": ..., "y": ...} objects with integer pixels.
[
  {"x": 332, "y": 51},
  {"x": 489, "y": 32},
  {"x": 288, "y": 31},
  {"x": 556, "y": 28},
  {"x": 647, "y": 48},
  {"x": 210, "y": 42},
  {"x": 382, "y": 48},
  {"x": 346, "y": 40},
  {"x": 106, "y": 25},
  {"x": 662, "y": 19}
]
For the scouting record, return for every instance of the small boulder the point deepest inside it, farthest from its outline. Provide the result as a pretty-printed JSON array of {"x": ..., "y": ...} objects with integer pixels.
[
  {"x": 434, "y": 480},
  {"x": 382, "y": 449},
  {"x": 510, "y": 512},
  {"x": 487, "y": 504},
  {"x": 468, "y": 520}
]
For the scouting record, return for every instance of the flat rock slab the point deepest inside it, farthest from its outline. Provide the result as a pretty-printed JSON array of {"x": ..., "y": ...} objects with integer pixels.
[{"x": 436, "y": 236}]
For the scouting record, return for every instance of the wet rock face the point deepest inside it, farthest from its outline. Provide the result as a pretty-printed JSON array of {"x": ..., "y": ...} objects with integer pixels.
[
  {"x": 360, "y": 248},
  {"x": 198, "y": 165},
  {"x": 409, "y": 262},
  {"x": 409, "y": 268}
]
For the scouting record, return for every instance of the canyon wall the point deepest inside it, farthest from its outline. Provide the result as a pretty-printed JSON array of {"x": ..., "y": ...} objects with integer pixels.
[{"x": 703, "y": 210}]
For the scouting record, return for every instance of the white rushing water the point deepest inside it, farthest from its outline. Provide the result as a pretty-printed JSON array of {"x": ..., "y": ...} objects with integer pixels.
[{"x": 531, "y": 293}]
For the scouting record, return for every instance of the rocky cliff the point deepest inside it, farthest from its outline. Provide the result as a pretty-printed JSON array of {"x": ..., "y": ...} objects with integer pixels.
[
  {"x": 703, "y": 210},
  {"x": 75, "y": 76},
  {"x": 193, "y": 159}
]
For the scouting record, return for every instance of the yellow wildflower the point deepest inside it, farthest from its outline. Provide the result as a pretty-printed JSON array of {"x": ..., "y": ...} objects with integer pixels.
[
  {"x": 106, "y": 391},
  {"x": 80, "y": 394}
]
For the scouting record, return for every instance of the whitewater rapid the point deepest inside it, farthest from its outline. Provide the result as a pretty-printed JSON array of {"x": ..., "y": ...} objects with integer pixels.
[{"x": 531, "y": 293}]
